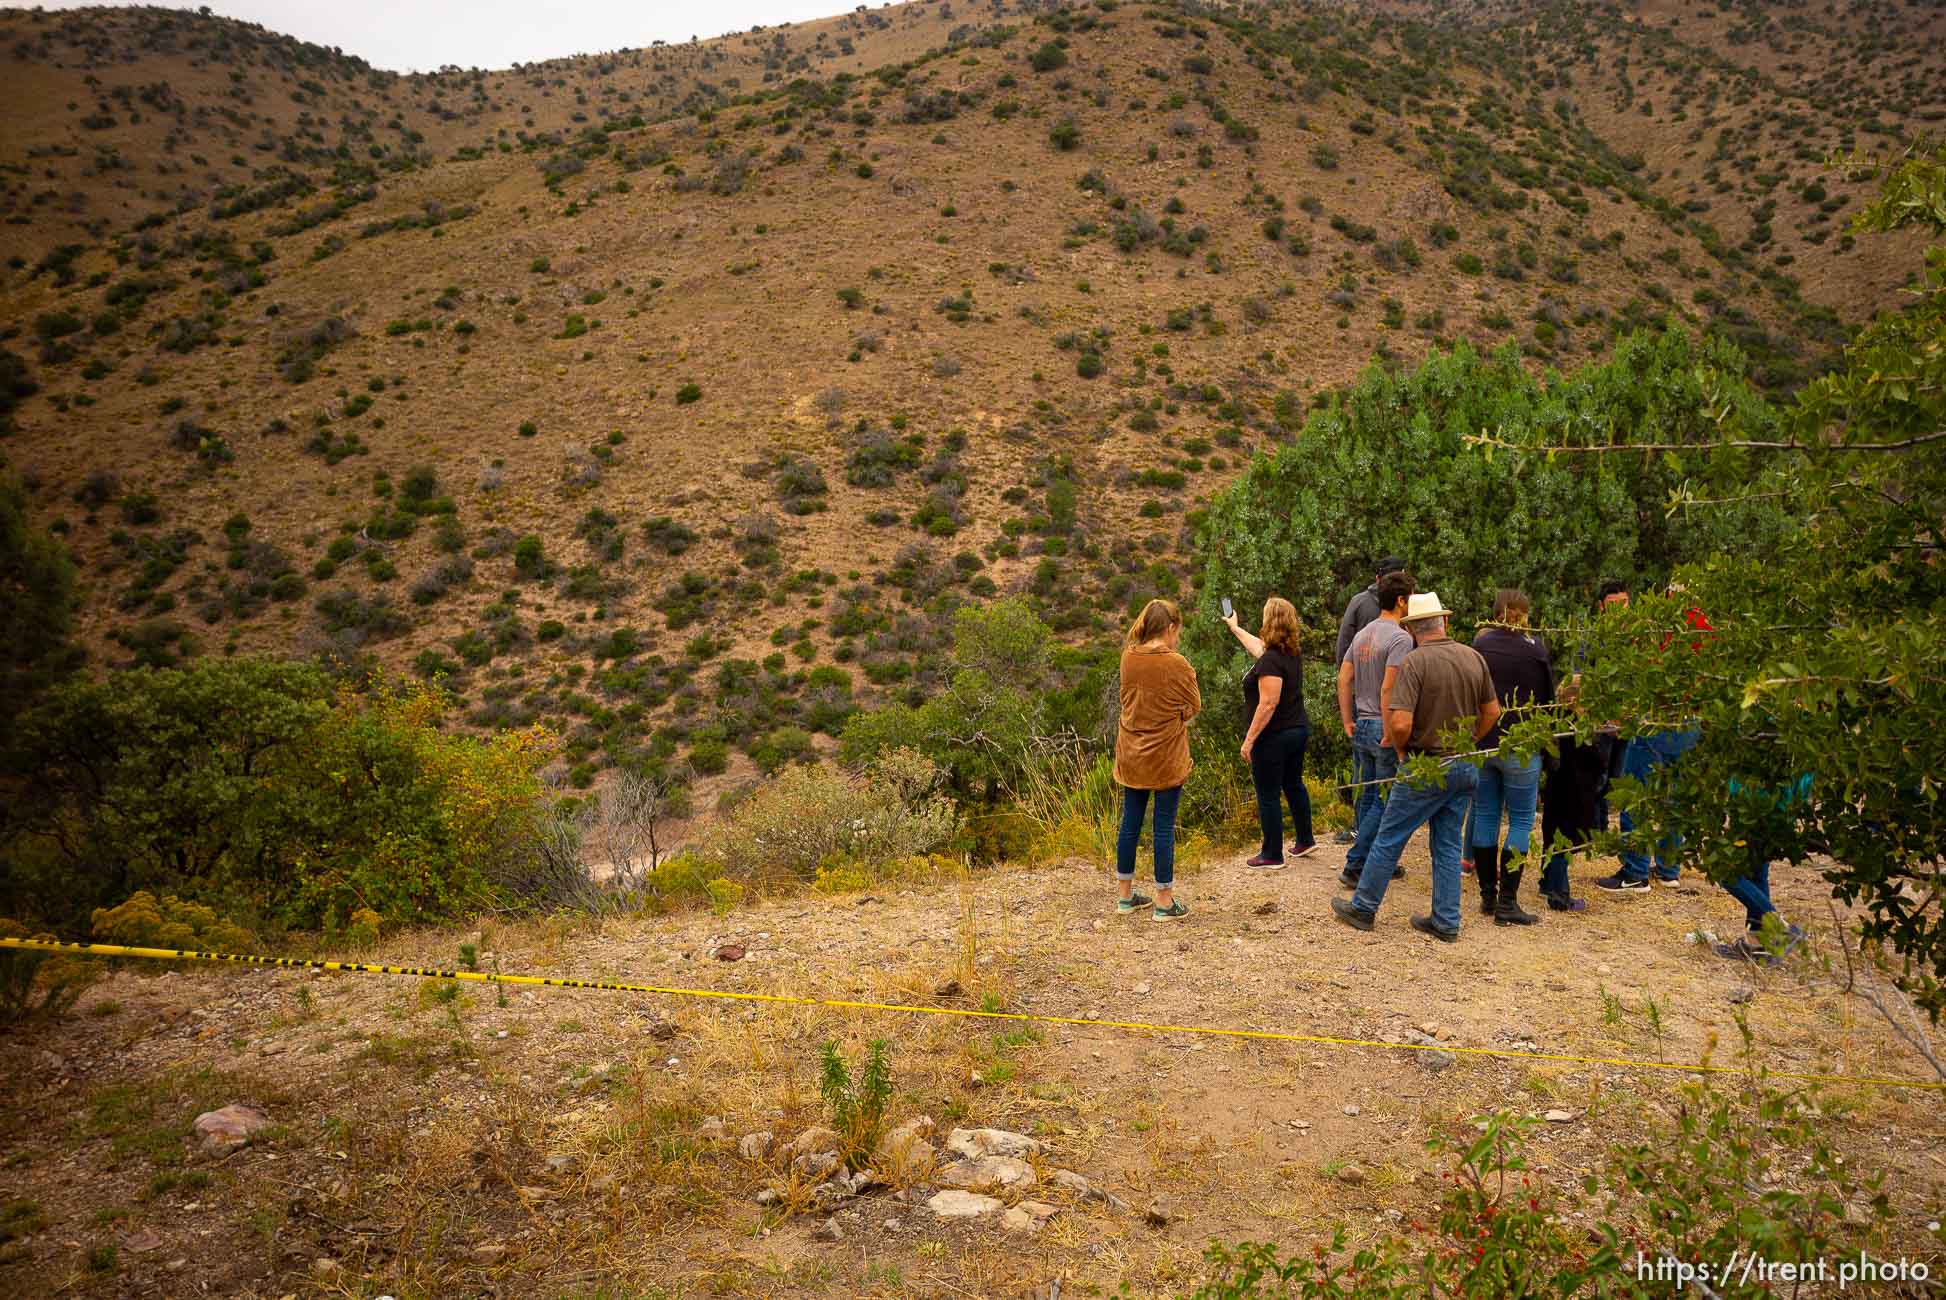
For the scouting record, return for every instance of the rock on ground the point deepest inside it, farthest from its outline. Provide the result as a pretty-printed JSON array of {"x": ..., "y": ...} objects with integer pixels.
[
  {"x": 962, "y": 1205},
  {"x": 222, "y": 1131},
  {"x": 988, "y": 1174},
  {"x": 972, "y": 1143}
]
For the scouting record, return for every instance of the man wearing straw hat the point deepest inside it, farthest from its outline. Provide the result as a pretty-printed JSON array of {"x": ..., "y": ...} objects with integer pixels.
[{"x": 1442, "y": 683}]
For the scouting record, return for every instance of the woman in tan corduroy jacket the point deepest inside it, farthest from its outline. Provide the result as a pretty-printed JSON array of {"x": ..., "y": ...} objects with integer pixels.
[{"x": 1159, "y": 697}]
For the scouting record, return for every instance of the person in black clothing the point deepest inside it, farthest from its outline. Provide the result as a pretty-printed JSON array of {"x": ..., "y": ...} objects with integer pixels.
[
  {"x": 1523, "y": 678},
  {"x": 1276, "y": 732},
  {"x": 1613, "y": 749},
  {"x": 1363, "y": 608},
  {"x": 1574, "y": 795}
]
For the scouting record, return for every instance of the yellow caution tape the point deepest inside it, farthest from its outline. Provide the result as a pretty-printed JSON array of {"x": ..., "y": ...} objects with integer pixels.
[{"x": 840, "y": 1004}]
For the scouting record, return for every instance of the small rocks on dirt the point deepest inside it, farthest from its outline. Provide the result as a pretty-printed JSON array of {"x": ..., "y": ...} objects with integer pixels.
[
  {"x": 812, "y": 1140},
  {"x": 972, "y": 1143},
  {"x": 1559, "y": 1117},
  {"x": 1352, "y": 1109},
  {"x": 828, "y": 1231},
  {"x": 1352, "y": 1176},
  {"x": 1028, "y": 1216},
  {"x": 988, "y": 1174},
  {"x": 729, "y": 952},
  {"x": 1140, "y": 989},
  {"x": 905, "y": 1149},
  {"x": 954, "y": 1204},
  {"x": 230, "y": 1129},
  {"x": 1086, "y": 1190},
  {"x": 816, "y": 1164},
  {"x": 1435, "y": 1061}
]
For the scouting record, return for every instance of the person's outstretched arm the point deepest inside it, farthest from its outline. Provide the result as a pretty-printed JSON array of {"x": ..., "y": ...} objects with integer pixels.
[{"x": 1252, "y": 645}]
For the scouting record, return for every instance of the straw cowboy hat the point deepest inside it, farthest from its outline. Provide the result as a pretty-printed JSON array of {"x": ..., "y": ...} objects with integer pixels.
[{"x": 1424, "y": 604}]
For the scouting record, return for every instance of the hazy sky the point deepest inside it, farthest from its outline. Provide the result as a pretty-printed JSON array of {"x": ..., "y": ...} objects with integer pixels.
[{"x": 420, "y": 35}]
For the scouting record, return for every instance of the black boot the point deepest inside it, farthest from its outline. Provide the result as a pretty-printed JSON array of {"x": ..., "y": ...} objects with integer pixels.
[
  {"x": 1486, "y": 869},
  {"x": 1506, "y": 908}
]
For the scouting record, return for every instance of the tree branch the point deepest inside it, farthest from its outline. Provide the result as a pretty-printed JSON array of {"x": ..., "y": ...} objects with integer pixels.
[{"x": 1484, "y": 439}]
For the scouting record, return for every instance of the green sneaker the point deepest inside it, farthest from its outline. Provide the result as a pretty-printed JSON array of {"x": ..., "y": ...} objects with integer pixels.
[
  {"x": 1134, "y": 903},
  {"x": 1174, "y": 912}
]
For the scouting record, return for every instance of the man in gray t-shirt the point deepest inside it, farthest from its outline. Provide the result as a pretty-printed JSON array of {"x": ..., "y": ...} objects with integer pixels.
[{"x": 1370, "y": 666}]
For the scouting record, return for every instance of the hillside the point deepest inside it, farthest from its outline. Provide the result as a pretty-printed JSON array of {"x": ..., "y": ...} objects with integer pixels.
[{"x": 677, "y": 395}]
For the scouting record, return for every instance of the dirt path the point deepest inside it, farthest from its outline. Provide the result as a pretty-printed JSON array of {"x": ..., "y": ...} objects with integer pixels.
[{"x": 429, "y": 1140}]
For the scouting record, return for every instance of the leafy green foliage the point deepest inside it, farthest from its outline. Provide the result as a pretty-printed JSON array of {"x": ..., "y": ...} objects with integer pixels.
[
  {"x": 856, "y": 1104},
  {"x": 253, "y": 784},
  {"x": 36, "y": 606},
  {"x": 1384, "y": 469},
  {"x": 1827, "y": 666},
  {"x": 1692, "y": 1196}
]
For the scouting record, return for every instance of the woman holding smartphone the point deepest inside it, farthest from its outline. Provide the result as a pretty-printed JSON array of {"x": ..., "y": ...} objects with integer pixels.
[
  {"x": 1276, "y": 731},
  {"x": 1159, "y": 697}
]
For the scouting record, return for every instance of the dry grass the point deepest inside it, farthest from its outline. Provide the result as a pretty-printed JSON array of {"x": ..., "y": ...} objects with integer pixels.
[{"x": 556, "y": 1146}]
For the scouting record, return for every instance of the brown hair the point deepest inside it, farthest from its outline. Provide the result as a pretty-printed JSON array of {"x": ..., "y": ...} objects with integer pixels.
[
  {"x": 1511, "y": 606},
  {"x": 1392, "y": 588},
  {"x": 1157, "y": 617},
  {"x": 1280, "y": 625}
]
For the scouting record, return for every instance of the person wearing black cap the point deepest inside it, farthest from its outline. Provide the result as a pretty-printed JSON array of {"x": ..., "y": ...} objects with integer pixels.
[{"x": 1363, "y": 608}]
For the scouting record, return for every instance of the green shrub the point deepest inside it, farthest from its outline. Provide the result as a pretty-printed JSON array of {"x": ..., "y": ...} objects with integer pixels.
[
  {"x": 856, "y": 1105},
  {"x": 808, "y": 814},
  {"x": 688, "y": 393},
  {"x": 36, "y": 983},
  {"x": 255, "y": 785},
  {"x": 1707, "y": 1191}
]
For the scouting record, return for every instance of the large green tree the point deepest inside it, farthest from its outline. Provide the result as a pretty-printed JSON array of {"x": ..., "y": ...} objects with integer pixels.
[
  {"x": 1828, "y": 662},
  {"x": 36, "y": 605}
]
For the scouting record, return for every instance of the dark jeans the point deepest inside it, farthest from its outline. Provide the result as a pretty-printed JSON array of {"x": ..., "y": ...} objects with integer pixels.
[
  {"x": 1753, "y": 891},
  {"x": 1372, "y": 761},
  {"x": 1571, "y": 807},
  {"x": 1644, "y": 755},
  {"x": 1135, "y": 803},
  {"x": 1407, "y": 808},
  {"x": 1277, "y": 770}
]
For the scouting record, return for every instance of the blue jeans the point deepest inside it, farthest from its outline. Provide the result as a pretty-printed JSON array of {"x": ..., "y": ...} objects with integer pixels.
[
  {"x": 1277, "y": 770},
  {"x": 1518, "y": 787},
  {"x": 1645, "y": 754},
  {"x": 1410, "y": 807},
  {"x": 1753, "y": 891},
  {"x": 1371, "y": 760},
  {"x": 1135, "y": 803}
]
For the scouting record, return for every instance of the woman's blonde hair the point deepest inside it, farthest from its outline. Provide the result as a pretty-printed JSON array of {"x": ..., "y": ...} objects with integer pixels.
[
  {"x": 1280, "y": 625},
  {"x": 1157, "y": 617}
]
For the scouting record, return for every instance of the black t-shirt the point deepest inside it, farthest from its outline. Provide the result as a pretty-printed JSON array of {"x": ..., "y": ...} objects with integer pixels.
[
  {"x": 1522, "y": 675},
  {"x": 1290, "y": 705}
]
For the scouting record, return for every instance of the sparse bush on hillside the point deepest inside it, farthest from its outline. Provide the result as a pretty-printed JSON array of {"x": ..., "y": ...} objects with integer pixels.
[
  {"x": 1049, "y": 57},
  {"x": 807, "y": 817}
]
